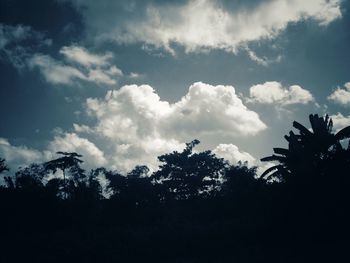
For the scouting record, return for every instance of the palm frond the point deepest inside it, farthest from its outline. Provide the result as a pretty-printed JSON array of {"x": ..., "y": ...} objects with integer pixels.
[
  {"x": 281, "y": 151},
  {"x": 312, "y": 119},
  {"x": 274, "y": 157},
  {"x": 269, "y": 170},
  {"x": 343, "y": 133},
  {"x": 301, "y": 128}
]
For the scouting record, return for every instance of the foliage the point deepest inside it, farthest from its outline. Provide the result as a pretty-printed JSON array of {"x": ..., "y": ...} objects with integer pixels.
[
  {"x": 3, "y": 166},
  {"x": 67, "y": 162},
  {"x": 188, "y": 175},
  {"x": 309, "y": 152},
  {"x": 30, "y": 177}
]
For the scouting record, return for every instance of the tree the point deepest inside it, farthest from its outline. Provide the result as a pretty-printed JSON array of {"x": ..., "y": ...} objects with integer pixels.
[
  {"x": 239, "y": 179},
  {"x": 309, "y": 152},
  {"x": 116, "y": 182},
  {"x": 68, "y": 162},
  {"x": 140, "y": 190},
  {"x": 138, "y": 172},
  {"x": 8, "y": 180},
  {"x": 187, "y": 175},
  {"x": 30, "y": 177},
  {"x": 3, "y": 166}
]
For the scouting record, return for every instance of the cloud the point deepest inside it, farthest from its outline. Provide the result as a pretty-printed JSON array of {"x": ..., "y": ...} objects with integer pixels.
[
  {"x": 273, "y": 92},
  {"x": 71, "y": 142},
  {"x": 135, "y": 126},
  {"x": 340, "y": 121},
  {"x": 21, "y": 156},
  {"x": 101, "y": 76},
  {"x": 53, "y": 71},
  {"x": 199, "y": 25},
  {"x": 341, "y": 95},
  {"x": 82, "y": 65},
  {"x": 17, "y": 43},
  {"x": 84, "y": 57},
  {"x": 205, "y": 108},
  {"x": 134, "y": 75},
  {"x": 231, "y": 153},
  {"x": 213, "y": 110},
  {"x": 13, "y": 34},
  {"x": 263, "y": 61}
]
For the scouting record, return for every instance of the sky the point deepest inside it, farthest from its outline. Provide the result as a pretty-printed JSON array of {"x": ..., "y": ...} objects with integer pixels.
[{"x": 122, "y": 82}]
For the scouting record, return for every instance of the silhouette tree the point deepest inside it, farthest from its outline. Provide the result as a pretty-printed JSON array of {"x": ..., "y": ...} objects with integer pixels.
[
  {"x": 116, "y": 183},
  {"x": 3, "y": 166},
  {"x": 187, "y": 175},
  {"x": 95, "y": 190},
  {"x": 69, "y": 162},
  {"x": 239, "y": 179},
  {"x": 8, "y": 179},
  {"x": 193, "y": 199},
  {"x": 308, "y": 152},
  {"x": 140, "y": 190},
  {"x": 138, "y": 172},
  {"x": 30, "y": 177}
]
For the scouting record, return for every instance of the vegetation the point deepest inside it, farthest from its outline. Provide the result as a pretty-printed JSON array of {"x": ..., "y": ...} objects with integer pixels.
[
  {"x": 195, "y": 208},
  {"x": 309, "y": 152}
]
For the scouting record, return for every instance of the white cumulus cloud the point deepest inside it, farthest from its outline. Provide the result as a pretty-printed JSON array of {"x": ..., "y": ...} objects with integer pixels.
[
  {"x": 340, "y": 121},
  {"x": 272, "y": 92},
  {"x": 135, "y": 126},
  {"x": 21, "y": 156},
  {"x": 71, "y": 142},
  {"x": 341, "y": 95},
  {"x": 213, "y": 110},
  {"x": 231, "y": 153}
]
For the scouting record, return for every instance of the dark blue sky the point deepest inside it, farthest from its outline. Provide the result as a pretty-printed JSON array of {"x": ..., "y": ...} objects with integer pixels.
[{"x": 252, "y": 68}]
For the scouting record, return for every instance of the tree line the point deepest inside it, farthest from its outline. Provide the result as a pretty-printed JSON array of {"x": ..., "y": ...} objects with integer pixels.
[
  {"x": 181, "y": 176},
  {"x": 196, "y": 207}
]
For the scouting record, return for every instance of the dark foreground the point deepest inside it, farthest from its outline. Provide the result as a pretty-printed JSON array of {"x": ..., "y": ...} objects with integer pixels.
[{"x": 195, "y": 208}]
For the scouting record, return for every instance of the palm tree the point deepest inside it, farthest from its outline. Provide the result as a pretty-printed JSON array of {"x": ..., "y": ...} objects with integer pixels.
[{"x": 308, "y": 151}]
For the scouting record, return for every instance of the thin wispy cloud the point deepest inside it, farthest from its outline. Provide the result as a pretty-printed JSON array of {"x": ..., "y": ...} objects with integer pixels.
[
  {"x": 14, "y": 47},
  {"x": 263, "y": 61},
  {"x": 84, "y": 57},
  {"x": 80, "y": 65}
]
